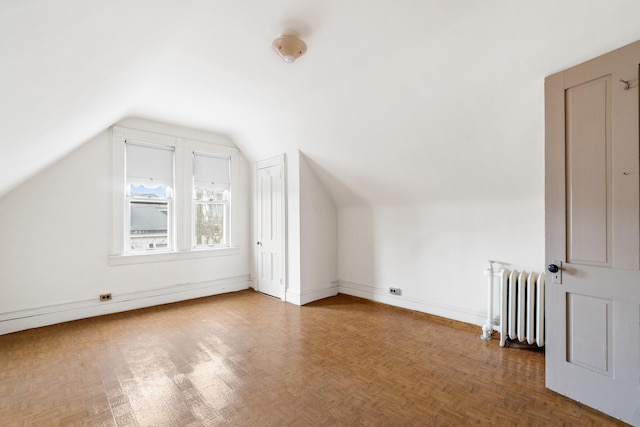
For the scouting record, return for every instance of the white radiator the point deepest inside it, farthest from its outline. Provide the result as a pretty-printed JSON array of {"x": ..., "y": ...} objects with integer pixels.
[{"x": 521, "y": 307}]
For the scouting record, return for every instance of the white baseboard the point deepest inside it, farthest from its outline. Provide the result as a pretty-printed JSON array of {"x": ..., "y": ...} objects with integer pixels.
[
  {"x": 302, "y": 298},
  {"x": 381, "y": 295},
  {"x": 49, "y": 315}
]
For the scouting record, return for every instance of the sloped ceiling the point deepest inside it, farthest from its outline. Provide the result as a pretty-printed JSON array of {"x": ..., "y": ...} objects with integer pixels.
[{"x": 395, "y": 101}]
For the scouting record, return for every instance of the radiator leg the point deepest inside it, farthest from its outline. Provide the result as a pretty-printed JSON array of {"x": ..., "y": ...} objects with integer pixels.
[
  {"x": 487, "y": 328},
  {"x": 487, "y": 331}
]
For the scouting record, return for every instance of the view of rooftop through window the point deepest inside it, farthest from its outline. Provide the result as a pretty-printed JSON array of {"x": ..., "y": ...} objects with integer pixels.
[{"x": 149, "y": 225}]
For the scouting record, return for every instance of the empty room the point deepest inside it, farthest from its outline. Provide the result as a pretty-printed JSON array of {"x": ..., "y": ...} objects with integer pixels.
[{"x": 319, "y": 213}]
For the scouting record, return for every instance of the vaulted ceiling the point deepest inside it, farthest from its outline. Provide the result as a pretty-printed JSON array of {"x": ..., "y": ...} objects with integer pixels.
[{"x": 398, "y": 101}]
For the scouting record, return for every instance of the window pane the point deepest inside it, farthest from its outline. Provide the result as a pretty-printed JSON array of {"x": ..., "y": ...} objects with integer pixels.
[
  {"x": 148, "y": 225},
  {"x": 209, "y": 224},
  {"x": 150, "y": 192}
]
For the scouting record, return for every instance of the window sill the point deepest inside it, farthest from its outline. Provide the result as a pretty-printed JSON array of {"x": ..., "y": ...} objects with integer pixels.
[{"x": 146, "y": 258}]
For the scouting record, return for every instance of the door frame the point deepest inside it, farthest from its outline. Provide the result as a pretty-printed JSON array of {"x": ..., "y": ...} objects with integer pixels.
[{"x": 261, "y": 164}]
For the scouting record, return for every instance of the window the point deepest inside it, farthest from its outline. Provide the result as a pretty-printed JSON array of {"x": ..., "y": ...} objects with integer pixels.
[
  {"x": 149, "y": 196},
  {"x": 172, "y": 197},
  {"x": 211, "y": 194}
]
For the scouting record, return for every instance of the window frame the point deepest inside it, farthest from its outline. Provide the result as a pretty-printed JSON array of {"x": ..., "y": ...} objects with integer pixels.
[
  {"x": 182, "y": 202},
  {"x": 226, "y": 204},
  {"x": 168, "y": 201}
]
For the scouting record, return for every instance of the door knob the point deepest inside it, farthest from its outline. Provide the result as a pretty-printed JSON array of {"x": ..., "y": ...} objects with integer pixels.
[
  {"x": 259, "y": 243},
  {"x": 553, "y": 268}
]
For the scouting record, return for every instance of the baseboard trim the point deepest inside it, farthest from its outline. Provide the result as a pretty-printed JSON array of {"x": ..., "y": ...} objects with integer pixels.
[
  {"x": 49, "y": 315},
  {"x": 302, "y": 298},
  {"x": 381, "y": 295}
]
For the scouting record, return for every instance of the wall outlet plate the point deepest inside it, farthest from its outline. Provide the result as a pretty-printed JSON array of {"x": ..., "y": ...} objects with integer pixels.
[
  {"x": 105, "y": 297},
  {"x": 395, "y": 291}
]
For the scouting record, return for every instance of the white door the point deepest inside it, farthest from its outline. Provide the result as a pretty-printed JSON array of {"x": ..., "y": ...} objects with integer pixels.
[
  {"x": 270, "y": 230},
  {"x": 592, "y": 233}
]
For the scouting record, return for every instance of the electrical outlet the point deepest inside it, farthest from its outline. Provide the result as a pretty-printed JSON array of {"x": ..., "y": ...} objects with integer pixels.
[
  {"x": 105, "y": 297},
  {"x": 395, "y": 291}
]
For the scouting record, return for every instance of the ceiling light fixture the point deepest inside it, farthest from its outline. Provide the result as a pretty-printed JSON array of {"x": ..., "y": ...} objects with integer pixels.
[{"x": 289, "y": 47}]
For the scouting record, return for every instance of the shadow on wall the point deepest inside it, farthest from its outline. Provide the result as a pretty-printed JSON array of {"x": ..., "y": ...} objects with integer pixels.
[{"x": 340, "y": 193}]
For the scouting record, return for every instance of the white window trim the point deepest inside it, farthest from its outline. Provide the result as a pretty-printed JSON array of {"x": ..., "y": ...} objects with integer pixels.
[{"x": 183, "y": 200}]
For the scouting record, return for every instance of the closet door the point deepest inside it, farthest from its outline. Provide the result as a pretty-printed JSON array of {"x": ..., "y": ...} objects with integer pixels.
[{"x": 271, "y": 226}]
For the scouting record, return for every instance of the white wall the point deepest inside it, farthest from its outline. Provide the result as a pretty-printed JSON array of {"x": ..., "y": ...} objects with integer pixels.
[
  {"x": 294, "y": 282},
  {"x": 318, "y": 237},
  {"x": 54, "y": 255},
  {"x": 55, "y": 228},
  {"x": 312, "y": 243},
  {"x": 437, "y": 253}
]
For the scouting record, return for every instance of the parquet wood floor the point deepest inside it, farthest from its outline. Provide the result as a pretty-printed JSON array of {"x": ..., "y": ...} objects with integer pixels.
[{"x": 245, "y": 359}]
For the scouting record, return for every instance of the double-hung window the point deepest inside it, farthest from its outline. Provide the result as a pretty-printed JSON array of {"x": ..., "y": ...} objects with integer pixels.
[
  {"x": 211, "y": 196},
  {"x": 172, "y": 197},
  {"x": 149, "y": 197}
]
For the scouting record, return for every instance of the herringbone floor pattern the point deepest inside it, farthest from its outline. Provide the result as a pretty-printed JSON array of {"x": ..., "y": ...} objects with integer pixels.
[{"x": 245, "y": 359}]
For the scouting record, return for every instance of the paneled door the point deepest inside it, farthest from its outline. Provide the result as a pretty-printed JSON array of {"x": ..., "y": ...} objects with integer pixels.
[
  {"x": 270, "y": 227},
  {"x": 592, "y": 233}
]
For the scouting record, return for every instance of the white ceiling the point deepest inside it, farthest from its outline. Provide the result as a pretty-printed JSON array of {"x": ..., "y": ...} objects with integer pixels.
[{"x": 399, "y": 101}]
